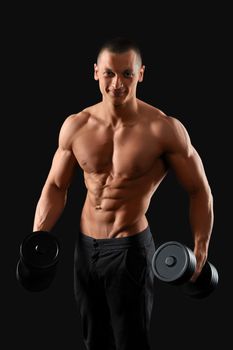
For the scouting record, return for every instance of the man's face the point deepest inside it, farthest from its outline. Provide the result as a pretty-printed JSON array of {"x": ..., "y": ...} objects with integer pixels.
[{"x": 118, "y": 75}]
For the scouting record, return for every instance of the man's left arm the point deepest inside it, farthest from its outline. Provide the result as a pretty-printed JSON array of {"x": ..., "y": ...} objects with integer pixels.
[{"x": 189, "y": 170}]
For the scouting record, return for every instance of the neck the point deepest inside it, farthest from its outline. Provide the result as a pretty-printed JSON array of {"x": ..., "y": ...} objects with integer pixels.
[{"x": 121, "y": 113}]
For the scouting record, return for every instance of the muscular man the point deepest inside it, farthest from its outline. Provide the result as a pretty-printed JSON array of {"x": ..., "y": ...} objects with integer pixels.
[{"x": 125, "y": 148}]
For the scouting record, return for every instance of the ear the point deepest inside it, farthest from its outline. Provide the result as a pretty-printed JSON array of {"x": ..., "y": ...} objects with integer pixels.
[
  {"x": 141, "y": 73},
  {"x": 96, "y": 72}
]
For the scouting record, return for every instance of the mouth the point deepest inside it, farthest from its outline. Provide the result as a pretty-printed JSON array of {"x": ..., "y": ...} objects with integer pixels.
[{"x": 117, "y": 93}]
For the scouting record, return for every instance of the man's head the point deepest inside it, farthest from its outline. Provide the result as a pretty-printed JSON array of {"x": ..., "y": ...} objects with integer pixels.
[
  {"x": 119, "y": 68},
  {"x": 120, "y": 45}
]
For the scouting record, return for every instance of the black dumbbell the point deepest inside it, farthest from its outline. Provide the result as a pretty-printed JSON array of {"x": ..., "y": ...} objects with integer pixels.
[
  {"x": 174, "y": 263},
  {"x": 37, "y": 265}
]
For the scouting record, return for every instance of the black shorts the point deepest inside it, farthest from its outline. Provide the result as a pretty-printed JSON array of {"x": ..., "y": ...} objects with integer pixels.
[{"x": 114, "y": 290}]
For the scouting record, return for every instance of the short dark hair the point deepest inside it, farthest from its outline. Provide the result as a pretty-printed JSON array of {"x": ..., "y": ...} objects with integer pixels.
[{"x": 120, "y": 45}]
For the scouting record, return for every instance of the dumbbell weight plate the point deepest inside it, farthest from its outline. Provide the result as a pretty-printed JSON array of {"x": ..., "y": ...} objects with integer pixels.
[
  {"x": 39, "y": 250},
  {"x": 205, "y": 283},
  {"x": 39, "y": 255},
  {"x": 173, "y": 262}
]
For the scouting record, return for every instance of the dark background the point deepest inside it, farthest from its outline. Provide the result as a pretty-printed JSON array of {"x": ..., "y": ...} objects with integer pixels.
[{"x": 48, "y": 55}]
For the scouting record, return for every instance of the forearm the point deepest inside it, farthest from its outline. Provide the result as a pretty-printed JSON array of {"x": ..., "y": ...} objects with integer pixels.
[
  {"x": 201, "y": 219},
  {"x": 49, "y": 208}
]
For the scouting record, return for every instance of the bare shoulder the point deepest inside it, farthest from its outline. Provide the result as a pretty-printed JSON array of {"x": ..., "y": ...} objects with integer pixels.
[
  {"x": 75, "y": 121},
  {"x": 174, "y": 126},
  {"x": 71, "y": 126},
  {"x": 169, "y": 131},
  {"x": 177, "y": 138},
  {"x": 149, "y": 112}
]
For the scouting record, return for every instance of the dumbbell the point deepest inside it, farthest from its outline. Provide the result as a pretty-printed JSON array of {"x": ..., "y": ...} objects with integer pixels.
[
  {"x": 38, "y": 261},
  {"x": 174, "y": 263}
]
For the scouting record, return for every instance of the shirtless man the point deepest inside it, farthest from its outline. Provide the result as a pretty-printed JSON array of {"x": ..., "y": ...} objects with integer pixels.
[{"x": 125, "y": 148}]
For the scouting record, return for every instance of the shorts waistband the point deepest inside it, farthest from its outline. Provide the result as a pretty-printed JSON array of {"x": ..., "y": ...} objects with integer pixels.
[{"x": 139, "y": 239}]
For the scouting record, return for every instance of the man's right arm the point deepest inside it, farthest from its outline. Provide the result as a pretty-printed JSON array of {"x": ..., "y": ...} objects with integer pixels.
[{"x": 54, "y": 192}]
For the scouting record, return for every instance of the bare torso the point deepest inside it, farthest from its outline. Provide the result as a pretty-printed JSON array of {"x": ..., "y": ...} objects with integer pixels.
[{"x": 123, "y": 166}]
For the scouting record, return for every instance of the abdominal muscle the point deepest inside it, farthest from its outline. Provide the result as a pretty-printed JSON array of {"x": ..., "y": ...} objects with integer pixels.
[{"x": 115, "y": 207}]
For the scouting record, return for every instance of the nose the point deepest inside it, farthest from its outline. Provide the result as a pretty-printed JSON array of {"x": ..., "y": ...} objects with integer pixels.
[{"x": 117, "y": 83}]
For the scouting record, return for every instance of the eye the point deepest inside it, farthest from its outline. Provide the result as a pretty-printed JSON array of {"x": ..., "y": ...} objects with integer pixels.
[
  {"x": 108, "y": 73},
  {"x": 128, "y": 74}
]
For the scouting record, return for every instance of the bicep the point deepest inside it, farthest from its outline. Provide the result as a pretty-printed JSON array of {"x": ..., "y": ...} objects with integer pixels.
[
  {"x": 64, "y": 161},
  {"x": 189, "y": 169},
  {"x": 62, "y": 168}
]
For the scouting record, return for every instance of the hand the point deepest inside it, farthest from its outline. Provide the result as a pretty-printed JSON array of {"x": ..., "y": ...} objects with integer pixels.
[{"x": 201, "y": 258}]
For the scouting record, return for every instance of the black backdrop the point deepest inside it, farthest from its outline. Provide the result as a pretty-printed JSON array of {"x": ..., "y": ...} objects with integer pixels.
[{"x": 48, "y": 74}]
